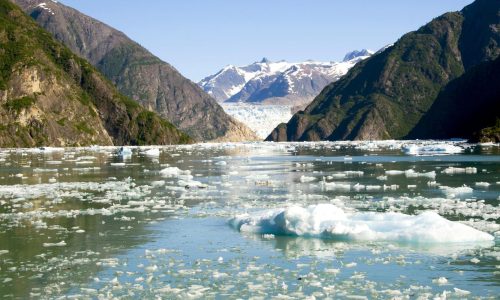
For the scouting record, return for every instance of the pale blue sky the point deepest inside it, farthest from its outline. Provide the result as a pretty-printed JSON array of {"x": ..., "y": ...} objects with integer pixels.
[{"x": 199, "y": 37}]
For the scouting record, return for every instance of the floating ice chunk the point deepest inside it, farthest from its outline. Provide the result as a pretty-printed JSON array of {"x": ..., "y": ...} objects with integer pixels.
[
  {"x": 332, "y": 271},
  {"x": 125, "y": 152},
  {"x": 475, "y": 260},
  {"x": 394, "y": 172},
  {"x": 45, "y": 150},
  {"x": 154, "y": 152},
  {"x": 173, "y": 172},
  {"x": 358, "y": 187},
  {"x": 334, "y": 186},
  {"x": 392, "y": 187},
  {"x": 440, "y": 281},
  {"x": 331, "y": 222},
  {"x": 411, "y": 173},
  {"x": 117, "y": 164},
  {"x": 373, "y": 187},
  {"x": 461, "y": 293},
  {"x": 354, "y": 173},
  {"x": 151, "y": 269},
  {"x": 60, "y": 244},
  {"x": 304, "y": 178},
  {"x": 414, "y": 149},
  {"x": 452, "y": 192},
  {"x": 453, "y": 170},
  {"x": 158, "y": 183},
  {"x": 482, "y": 184}
]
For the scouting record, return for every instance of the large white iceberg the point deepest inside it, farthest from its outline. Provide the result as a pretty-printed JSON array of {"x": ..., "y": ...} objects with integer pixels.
[
  {"x": 331, "y": 222},
  {"x": 432, "y": 149}
]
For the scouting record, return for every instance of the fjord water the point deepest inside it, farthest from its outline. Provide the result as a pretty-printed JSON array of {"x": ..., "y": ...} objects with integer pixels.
[{"x": 101, "y": 222}]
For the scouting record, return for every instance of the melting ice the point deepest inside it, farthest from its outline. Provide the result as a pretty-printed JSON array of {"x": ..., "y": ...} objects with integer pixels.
[{"x": 330, "y": 221}]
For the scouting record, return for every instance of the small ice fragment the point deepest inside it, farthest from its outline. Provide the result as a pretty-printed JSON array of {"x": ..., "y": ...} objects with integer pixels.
[
  {"x": 304, "y": 178},
  {"x": 155, "y": 152},
  {"x": 440, "y": 280},
  {"x": 173, "y": 172},
  {"x": 158, "y": 183},
  {"x": 117, "y": 164},
  {"x": 482, "y": 184},
  {"x": 475, "y": 260},
  {"x": 151, "y": 269},
  {"x": 332, "y": 271},
  {"x": 453, "y": 170},
  {"x": 60, "y": 244},
  {"x": 461, "y": 293},
  {"x": 452, "y": 192},
  {"x": 394, "y": 172}
]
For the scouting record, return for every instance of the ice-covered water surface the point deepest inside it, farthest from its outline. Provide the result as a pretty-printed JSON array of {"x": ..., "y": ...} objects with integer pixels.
[{"x": 359, "y": 219}]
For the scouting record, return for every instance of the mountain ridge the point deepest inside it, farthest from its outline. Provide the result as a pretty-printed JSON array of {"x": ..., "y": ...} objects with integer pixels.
[
  {"x": 137, "y": 73},
  {"x": 385, "y": 96},
  {"x": 51, "y": 97},
  {"x": 281, "y": 82}
]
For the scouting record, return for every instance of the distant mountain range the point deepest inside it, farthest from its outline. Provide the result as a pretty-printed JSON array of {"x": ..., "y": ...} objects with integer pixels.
[
  {"x": 51, "y": 97},
  {"x": 439, "y": 81},
  {"x": 137, "y": 73},
  {"x": 281, "y": 82}
]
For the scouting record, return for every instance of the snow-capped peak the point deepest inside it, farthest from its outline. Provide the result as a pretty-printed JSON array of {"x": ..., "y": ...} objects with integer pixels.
[
  {"x": 265, "y": 60},
  {"x": 355, "y": 54},
  {"x": 277, "y": 79}
]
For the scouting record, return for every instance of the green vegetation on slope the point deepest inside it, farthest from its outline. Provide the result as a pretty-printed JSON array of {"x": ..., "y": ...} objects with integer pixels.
[
  {"x": 35, "y": 66},
  {"x": 387, "y": 95},
  {"x": 465, "y": 106}
]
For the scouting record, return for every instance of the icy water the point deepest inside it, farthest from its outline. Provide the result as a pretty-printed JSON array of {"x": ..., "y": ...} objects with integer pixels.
[{"x": 263, "y": 221}]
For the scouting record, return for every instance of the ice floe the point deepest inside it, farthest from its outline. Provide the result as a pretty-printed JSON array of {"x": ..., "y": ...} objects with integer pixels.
[
  {"x": 331, "y": 222},
  {"x": 432, "y": 149}
]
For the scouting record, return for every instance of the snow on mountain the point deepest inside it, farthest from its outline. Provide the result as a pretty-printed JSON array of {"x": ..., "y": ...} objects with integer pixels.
[
  {"x": 260, "y": 118},
  {"x": 355, "y": 54},
  {"x": 281, "y": 82}
]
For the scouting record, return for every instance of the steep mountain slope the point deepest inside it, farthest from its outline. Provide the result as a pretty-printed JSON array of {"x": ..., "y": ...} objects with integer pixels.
[
  {"x": 467, "y": 105},
  {"x": 51, "y": 97},
  {"x": 137, "y": 73},
  {"x": 386, "y": 95},
  {"x": 267, "y": 82}
]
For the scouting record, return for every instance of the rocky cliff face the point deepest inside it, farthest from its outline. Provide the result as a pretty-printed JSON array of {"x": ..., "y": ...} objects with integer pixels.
[
  {"x": 136, "y": 72},
  {"x": 386, "y": 95},
  {"x": 51, "y": 97}
]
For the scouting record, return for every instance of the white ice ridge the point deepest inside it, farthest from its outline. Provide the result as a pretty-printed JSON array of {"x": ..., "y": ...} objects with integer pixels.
[
  {"x": 442, "y": 148},
  {"x": 331, "y": 222}
]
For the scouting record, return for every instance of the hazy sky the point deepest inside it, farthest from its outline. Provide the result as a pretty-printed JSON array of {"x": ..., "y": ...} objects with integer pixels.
[{"x": 199, "y": 37}]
